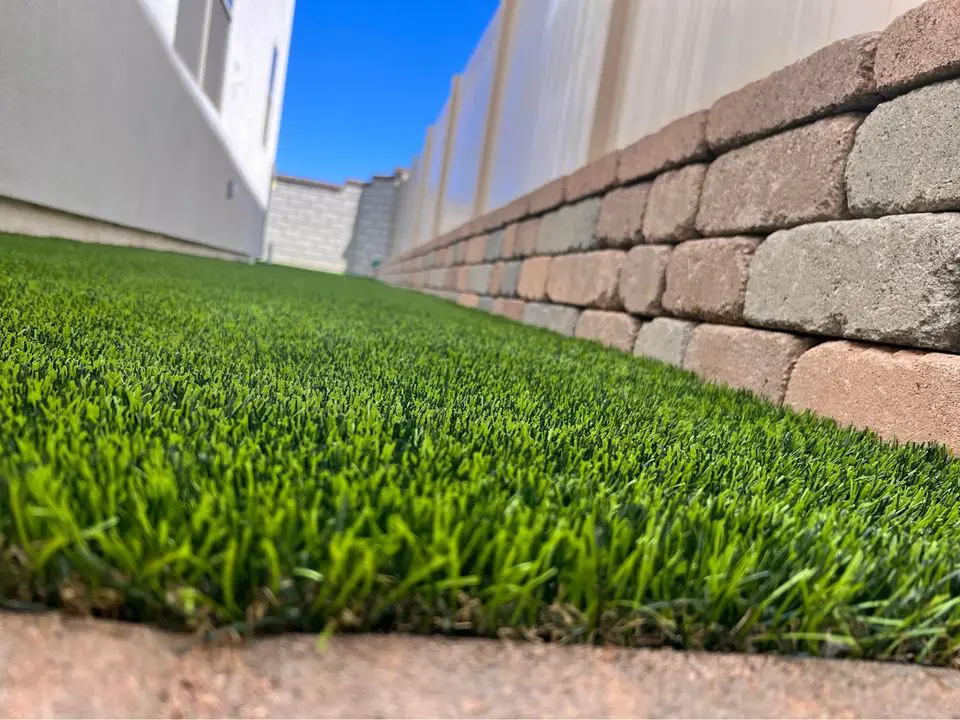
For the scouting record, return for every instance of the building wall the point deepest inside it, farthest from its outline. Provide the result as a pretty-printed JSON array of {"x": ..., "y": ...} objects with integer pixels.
[
  {"x": 256, "y": 28},
  {"x": 310, "y": 224},
  {"x": 98, "y": 119},
  {"x": 798, "y": 239},
  {"x": 370, "y": 244}
]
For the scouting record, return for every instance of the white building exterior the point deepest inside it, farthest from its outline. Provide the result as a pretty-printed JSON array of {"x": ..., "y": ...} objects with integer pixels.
[{"x": 142, "y": 122}]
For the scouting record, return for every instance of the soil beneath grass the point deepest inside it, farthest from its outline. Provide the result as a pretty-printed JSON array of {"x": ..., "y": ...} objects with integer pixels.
[{"x": 53, "y": 666}]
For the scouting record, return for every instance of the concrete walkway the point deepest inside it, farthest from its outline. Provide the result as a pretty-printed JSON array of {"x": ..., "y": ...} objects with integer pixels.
[{"x": 57, "y": 667}]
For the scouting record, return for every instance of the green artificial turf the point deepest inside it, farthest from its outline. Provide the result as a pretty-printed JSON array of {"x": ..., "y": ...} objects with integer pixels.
[{"x": 205, "y": 444}]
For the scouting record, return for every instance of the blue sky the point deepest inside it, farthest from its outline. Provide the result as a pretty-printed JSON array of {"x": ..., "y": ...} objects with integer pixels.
[{"x": 367, "y": 77}]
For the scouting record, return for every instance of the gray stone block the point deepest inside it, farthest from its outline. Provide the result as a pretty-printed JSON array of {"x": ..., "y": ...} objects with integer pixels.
[
  {"x": 671, "y": 212},
  {"x": 779, "y": 182},
  {"x": 510, "y": 278},
  {"x": 664, "y": 339},
  {"x": 485, "y": 303},
  {"x": 905, "y": 157},
  {"x": 478, "y": 280},
  {"x": 559, "y": 318},
  {"x": 494, "y": 247},
  {"x": 893, "y": 280},
  {"x": 572, "y": 227}
]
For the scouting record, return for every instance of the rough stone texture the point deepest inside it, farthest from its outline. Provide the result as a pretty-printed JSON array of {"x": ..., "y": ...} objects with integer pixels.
[
  {"x": 905, "y": 156},
  {"x": 612, "y": 329},
  {"x": 494, "y": 249},
  {"x": 67, "y": 668},
  {"x": 463, "y": 278},
  {"x": 559, "y": 318},
  {"x": 642, "y": 278},
  {"x": 572, "y": 227},
  {"x": 594, "y": 178},
  {"x": 532, "y": 284},
  {"x": 479, "y": 280},
  {"x": 664, "y": 339},
  {"x": 460, "y": 251},
  {"x": 512, "y": 309},
  {"x": 621, "y": 216},
  {"x": 509, "y": 247},
  {"x": 527, "y": 233},
  {"x": 756, "y": 360},
  {"x": 509, "y": 279},
  {"x": 590, "y": 279},
  {"x": 476, "y": 249},
  {"x": 835, "y": 79},
  {"x": 906, "y": 395},
  {"x": 894, "y": 279},
  {"x": 678, "y": 143},
  {"x": 468, "y": 300},
  {"x": 707, "y": 279},
  {"x": 920, "y": 46},
  {"x": 785, "y": 180},
  {"x": 671, "y": 214},
  {"x": 548, "y": 196}
]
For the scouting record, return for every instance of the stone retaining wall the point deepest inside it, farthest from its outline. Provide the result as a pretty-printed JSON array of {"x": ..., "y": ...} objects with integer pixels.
[{"x": 800, "y": 239}]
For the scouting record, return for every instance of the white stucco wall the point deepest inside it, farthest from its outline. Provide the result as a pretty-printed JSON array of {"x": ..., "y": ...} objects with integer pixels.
[{"x": 256, "y": 28}]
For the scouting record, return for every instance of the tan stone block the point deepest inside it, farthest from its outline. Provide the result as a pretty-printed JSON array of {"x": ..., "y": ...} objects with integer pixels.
[
  {"x": 463, "y": 278},
  {"x": 587, "y": 279},
  {"x": 905, "y": 395},
  {"x": 621, "y": 216},
  {"x": 680, "y": 142},
  {"x": 593, "y": 179},
  {"x": 512, "y": 309},
  {"x": 642, "y": 278},
  {"x": 533, "y": 278},
  {"x": 509, "y": 247},
  {"x": 756, "y": 360},
  {"x": 612, "y": 329},
  {"x": 548, "y": 196},
  {"x": 495, "y": 274},
  {"x": 671, "y": 214},
  {"x": 919, "y": 47},
  {"x": 527, "y": 233},
  {"x": 476, "y": 249},
  {"x": 470, "y": 300},
  {"x": 707, "y": 279}
]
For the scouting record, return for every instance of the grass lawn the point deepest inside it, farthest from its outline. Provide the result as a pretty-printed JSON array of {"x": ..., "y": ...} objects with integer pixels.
[{"x": 205, "y": 444}]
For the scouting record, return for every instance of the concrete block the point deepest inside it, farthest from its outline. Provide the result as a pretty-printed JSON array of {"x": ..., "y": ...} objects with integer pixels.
[
  {"x": 902, "y": 395},
  {"x": 591, "y": 279},
  {"x": 920, "y": 47},
  {"x": 785, "y": 180},
  {"x": 468, "y": 300},
  {"x": 532, "y": 283},
  {"x": 707, "y": 279},
  {"x": 485, "y": 303},
  {"x": 894, "y": 279},
  {"x": 593, "y": 179},
  {"x": 509, "y": 248},
  {"x": 494, "y": 249},
  {"x": 436, "y": 277},
  {"x": 642, "y": 278},
  {"x": 460, "y": 252},
  {"x": 905, "y": 156},
  {"x": 559, "y": 318},
  {"x": 612, "y": 329},
  {"x": 451, "y": 279},
  {"x": 834, "y": 79},
  {"x": 527, "y": 233},
  {"x": 476, "y": 249},
  {"x": 671, "y": 214},
  {"x": 494, "y": 288},
  {"x": 572, "y": 227},
  {"x": 664, "y": 339},
  {"x": 620, "y": 223},
  {"x": 479, "y": 278},
  {"x": 512, "y": 309},
  {"x": 548, "y": 196},
  {"x": 756, "y": 360},
  {"x": 446, "y": 256},
  {"x": 680, "y": 142},
  {"x": 509, "y": 279},
  {"x": 463, "y": 278}
]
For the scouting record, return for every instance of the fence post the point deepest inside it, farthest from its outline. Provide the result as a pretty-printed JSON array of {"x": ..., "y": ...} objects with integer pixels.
[
  {"x": 603, "y": 131},
  {"x": 421, "y": 188},
  {"x": 447, "y": 152},
  {"x": 491, "y": 125}
]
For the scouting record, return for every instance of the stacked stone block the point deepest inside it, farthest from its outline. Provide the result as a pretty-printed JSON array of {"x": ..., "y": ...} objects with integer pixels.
[{"x": 799, "y": 240}]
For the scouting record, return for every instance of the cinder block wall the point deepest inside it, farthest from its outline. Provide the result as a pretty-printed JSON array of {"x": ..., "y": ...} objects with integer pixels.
[
  {"x": 373, "y": 229},
  {"x": 310, "y": 224},
  {"x": 799, "y": 239}
]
